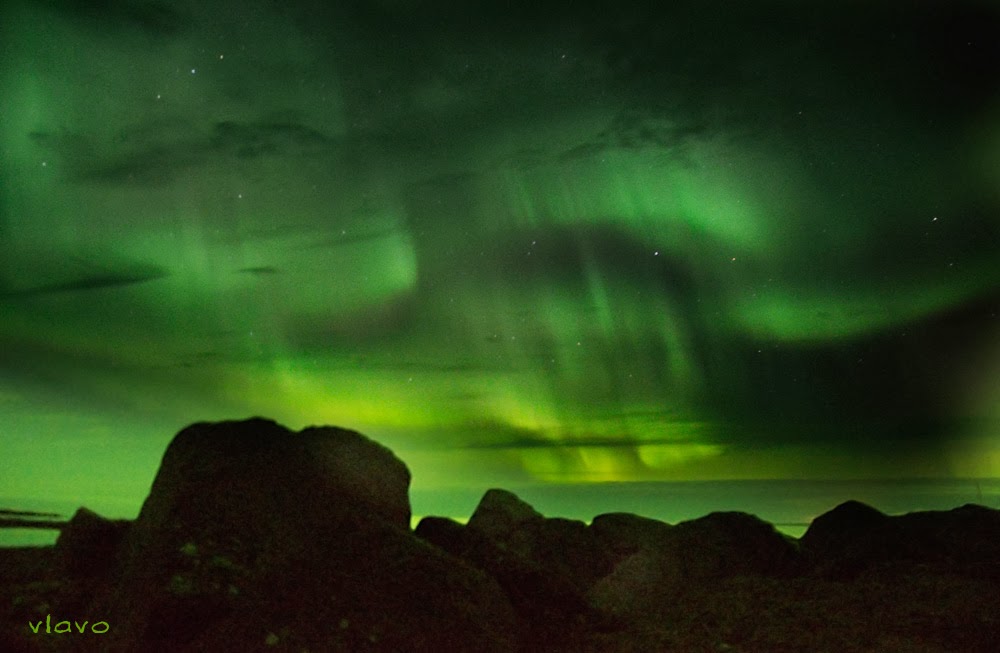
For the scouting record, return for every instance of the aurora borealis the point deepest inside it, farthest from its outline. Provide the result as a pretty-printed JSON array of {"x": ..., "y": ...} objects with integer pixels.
[{"x": 516, "y": 242}]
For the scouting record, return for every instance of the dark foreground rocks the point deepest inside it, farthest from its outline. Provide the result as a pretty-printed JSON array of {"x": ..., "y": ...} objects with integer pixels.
[{"x": 256, "y": 538}]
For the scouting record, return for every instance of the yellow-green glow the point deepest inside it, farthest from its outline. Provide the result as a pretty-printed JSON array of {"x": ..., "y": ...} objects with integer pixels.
[
  {"x": 797, "y": 316},
  {"x": 716, "y": 196},
  {"x": 545, "y": 250},
  {"x": 578, "y": 465}
]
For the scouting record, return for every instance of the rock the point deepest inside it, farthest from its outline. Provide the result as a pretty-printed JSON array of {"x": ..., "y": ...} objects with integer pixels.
[
  {"x": 500, "y": 514},
  {"x": 323, "y": 471},
  {"x": 26, "y": 563},
  {"x": 636, "y": 547},
  {"x": 550, "y": 605},
  {"x": 563, "y": 547},
  {"x": 623, "y": 534},
  {"x": 840, "y": 543},
  {"x": 544, "y": 565},
  {"x": 835, "y": 530},
  {"x": 318, "y": 565},
  {"x": 569, "y": 549},
  {"x": 447, "y": 534},
  {"x": 964, "y": 539},
  {"x": 668, "y": 561},
  {"x": 726, "y": 544},
  {"x": 969, "y": 535},
  {"x": 854, "y": 538},
  {"x": 365, "y": 471},
  {"x": 254, "y": 536},
  {"x": 89, "y": 544},
  {"x": 527, "y": 583},
  {"x": 635, "y": 584}
]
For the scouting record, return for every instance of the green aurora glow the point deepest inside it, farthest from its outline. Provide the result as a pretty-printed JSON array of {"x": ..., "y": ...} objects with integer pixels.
[{"x": 518, "y": 245}]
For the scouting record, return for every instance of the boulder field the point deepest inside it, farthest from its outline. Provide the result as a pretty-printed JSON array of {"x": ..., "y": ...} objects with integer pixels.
[{"x": 258, "y": 538}]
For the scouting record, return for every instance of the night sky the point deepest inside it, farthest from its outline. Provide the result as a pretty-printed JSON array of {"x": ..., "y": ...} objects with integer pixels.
[{"x": 520, "y": 243}]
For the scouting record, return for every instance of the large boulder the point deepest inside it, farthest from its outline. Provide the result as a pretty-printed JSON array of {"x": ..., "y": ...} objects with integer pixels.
[
  {"x": 854, "y": 538},
  {"x": 661, "y": 563},
  {"x": 544, "y": 565},
  {"x": 256, "y": 537},
  {"x": 501, "y": 515},
  {"x": 550, "y": 605},
  {"x": 727, "y": 544},
  {"x": 842, "y": 541},
  {"x": 636, "y": 546},
  {"x": 622, "y": 533},
  {"x": 239, "y": 472},
  {"x": 89, "y": 544},
  {"x": 564, "y": 548}
]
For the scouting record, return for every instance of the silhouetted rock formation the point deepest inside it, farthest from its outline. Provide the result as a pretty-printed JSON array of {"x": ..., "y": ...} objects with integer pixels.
[
  {"x": 854, "y": 538},
  {"x": 254, "y": 538},
  {"x": 623, "y": 533},
  {"x": 501, "y": 514},
  {"x": 566, "y": 548},
  {"x": 666, "y": 561},
  {"x": 253, "y": 535},
  {"x": 88, "y": 544},
  {"x": 510, "y": 541}
]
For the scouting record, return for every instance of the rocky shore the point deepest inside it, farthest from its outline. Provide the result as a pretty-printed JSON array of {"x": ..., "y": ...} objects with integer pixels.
[{"x": 257, "y": 538}]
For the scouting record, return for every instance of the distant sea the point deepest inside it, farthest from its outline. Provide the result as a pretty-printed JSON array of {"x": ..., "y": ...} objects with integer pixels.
[
  {"x": 788, "y": 504},
  {"x": 111, "y": 508}
]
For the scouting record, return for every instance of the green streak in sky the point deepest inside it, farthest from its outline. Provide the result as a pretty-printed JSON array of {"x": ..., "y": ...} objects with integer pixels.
[
  {"x": 801, "y": 316},
  {"x": 659, "y": 195},
  {"x": 505, "y": 263}
]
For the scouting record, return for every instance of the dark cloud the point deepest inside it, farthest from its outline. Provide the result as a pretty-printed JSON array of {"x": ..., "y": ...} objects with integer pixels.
[
  {"x": 110, "y": 280},
  {"x": 253, "y": 139},
  {"x": 632, "y": 130},
  {"x": 152, "y": 18},
  {"x": 149, "y": 154},
  {"x": 262, "y": 270},
  {"x": 29, "y": 523},
  {"x": 158, "y": 151},
  {"x": 751, "y": 64},
  {"x": 156, "y": 165},
  {"x": 27, "y": 513},
  {"x": 487, "y": 434},
  {"x": 72, "y": 145}
]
